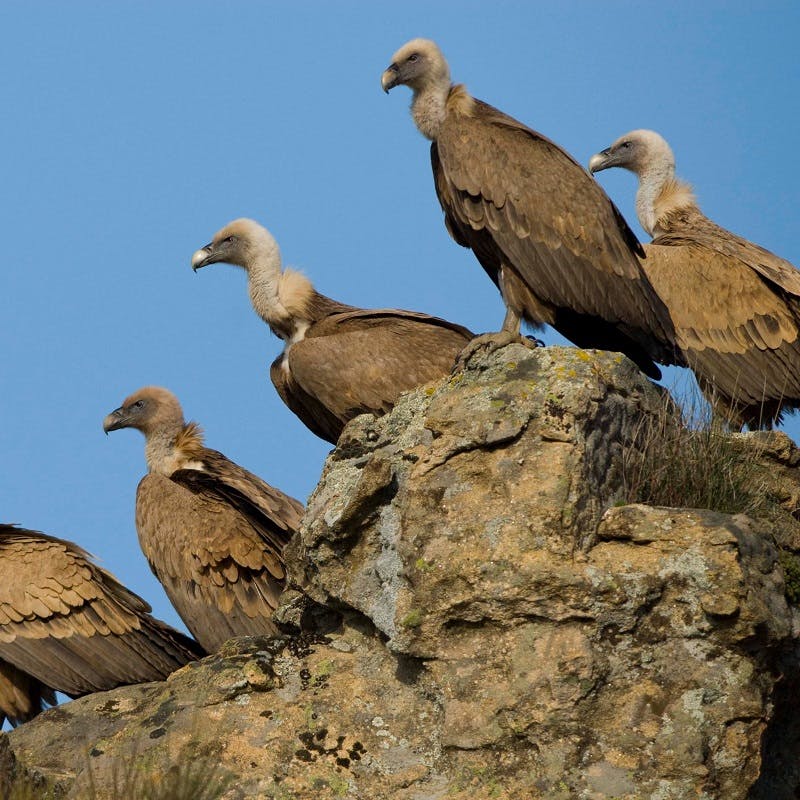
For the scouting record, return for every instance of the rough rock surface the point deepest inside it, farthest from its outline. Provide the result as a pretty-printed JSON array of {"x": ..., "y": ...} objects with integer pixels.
[{"x": 502, "y": 628}]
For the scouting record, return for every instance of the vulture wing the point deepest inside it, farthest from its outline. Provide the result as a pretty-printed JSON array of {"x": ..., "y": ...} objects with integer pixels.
[
  {"x": 22, "y": 697},
  {"x": 360, "y": 362},
  {"x": 694, "y": 227},
  {"x": 214, "y": 539},
  {"x": 520, "y": 201},
  {"x": 72, "y": 625},
  {"x": 273, "y": 515},
  {"x": 306, "y": 407},
  {"x": 737, "y": 333}
]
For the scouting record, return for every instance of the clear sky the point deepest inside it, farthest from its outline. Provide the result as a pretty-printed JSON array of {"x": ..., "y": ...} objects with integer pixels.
[{"x": 132, "y": 131}]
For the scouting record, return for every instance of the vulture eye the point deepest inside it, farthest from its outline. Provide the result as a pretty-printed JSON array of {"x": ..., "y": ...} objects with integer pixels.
[
  {"x": 625, "y": 145},
  {"x": 138, "y": 404},
  {"x": 228, "y": 239},
  {"x": 414, "y": 57}
]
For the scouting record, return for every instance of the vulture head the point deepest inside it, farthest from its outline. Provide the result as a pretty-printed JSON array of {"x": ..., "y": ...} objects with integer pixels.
[
  {"x": 639, "y": 151},
  {"x": 150, "y": 410},
  {"x": 418, "y": 64},
  {"x": 240, "y": 242}
]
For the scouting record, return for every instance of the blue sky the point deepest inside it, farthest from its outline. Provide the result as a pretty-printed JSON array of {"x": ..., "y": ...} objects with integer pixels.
[{"x": 132, "y": 131}]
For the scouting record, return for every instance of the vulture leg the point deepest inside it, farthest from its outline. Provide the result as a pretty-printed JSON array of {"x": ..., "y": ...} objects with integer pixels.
[{"x": 488, "y": 343}]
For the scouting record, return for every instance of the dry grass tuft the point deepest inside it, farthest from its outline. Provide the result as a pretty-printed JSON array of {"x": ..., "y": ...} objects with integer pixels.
[
  {"x": 188, "y": 778},
  {"x": 27, "y": 790},
  {"x": 685, "y": 457},
  {"x": 192, "y": 775}
]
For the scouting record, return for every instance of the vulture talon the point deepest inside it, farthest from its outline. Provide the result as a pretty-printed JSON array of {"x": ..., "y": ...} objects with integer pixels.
[{"x": 488, "y": 343}]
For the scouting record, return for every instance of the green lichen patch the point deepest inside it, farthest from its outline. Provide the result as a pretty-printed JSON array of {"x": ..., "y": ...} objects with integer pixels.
[
  {"x": 413, "y": 619},
  {"x": 791, "y": 572}
]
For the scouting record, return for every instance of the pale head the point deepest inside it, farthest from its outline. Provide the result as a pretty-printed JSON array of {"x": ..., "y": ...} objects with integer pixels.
[
  {"x": 151, "y": 410},
  {"x": 240, "y": 243},
  {"x": 639, "y": 151},
  {"x": 418, "y": 64}
]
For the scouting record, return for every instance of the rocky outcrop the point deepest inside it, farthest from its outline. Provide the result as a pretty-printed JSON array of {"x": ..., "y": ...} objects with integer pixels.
[{"x": 476, "y": 615}]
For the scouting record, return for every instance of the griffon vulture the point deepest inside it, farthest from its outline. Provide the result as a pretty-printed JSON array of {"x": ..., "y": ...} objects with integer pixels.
[
  {"x": 544, "y": 231},
  {"x": 68, "y": 625},
  {"x": 212, "y": 532},
  {"x": 338, "y": 361},
  {"x": 735, "y": 306}
]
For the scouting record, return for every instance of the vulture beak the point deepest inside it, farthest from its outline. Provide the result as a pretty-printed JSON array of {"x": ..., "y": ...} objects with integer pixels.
[
  {"x": 203, "y": 257},
  {"x": 600, "y": 161},
  {"x": 115, "y": 420},
  {"x": 390, "y": 77}
]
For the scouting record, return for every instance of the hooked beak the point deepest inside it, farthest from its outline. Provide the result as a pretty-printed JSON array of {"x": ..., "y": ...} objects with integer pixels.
[
  {"x": 115, "y": 420},
  {"x": 390, "y": 77},
  {"x": 600, "y": 161},
  {"x": 203, "y": 257}
]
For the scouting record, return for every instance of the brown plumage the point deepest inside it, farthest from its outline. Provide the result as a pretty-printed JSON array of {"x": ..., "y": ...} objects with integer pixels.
[
  {"x": 22, "y": 697},
  {"x": 735, "y": 305},
  {"x": 546, "y": 234},
  {"x": 68, "y": 625},
  {"x": 338, "y": 361},
  {"x": 212, "y": 532}
]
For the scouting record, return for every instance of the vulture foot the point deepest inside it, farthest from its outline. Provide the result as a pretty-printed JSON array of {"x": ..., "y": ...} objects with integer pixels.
[{"x": 488, "y": 343}]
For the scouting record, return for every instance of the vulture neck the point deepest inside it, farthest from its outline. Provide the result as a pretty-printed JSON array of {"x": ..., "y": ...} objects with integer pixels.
[
  {"x": 170, "y": 448},
  {"x": 652, "y": 181},
  {"x": 281, "y": 298},
  {"x": 429, "y": 107},
  {"x": 263, "y": 281},
  {"x": 660, "y": 194}
]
